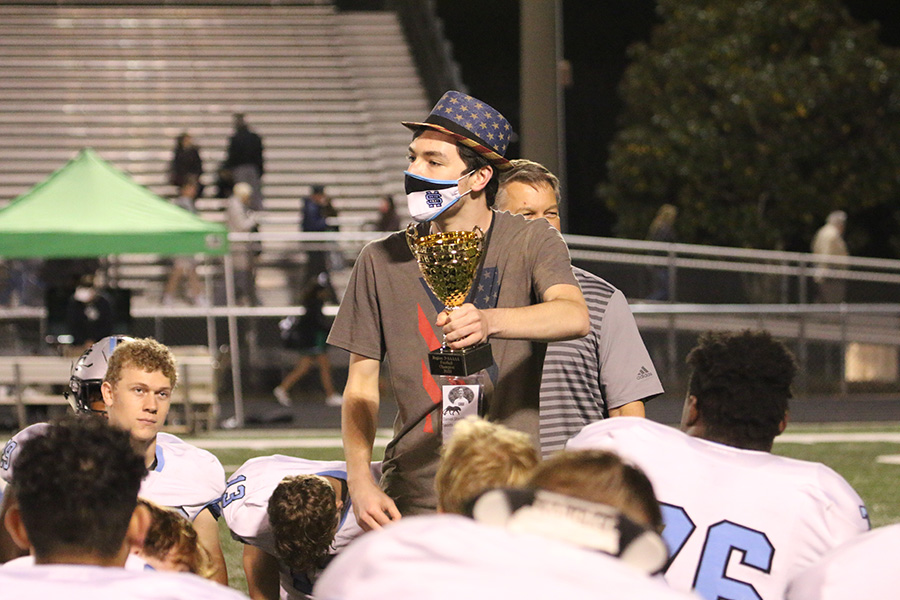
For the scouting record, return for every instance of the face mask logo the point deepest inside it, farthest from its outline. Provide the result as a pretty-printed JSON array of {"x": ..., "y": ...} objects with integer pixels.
[
  {"x": 428, "y": 198},
  {"x": 434, "y": 199}
]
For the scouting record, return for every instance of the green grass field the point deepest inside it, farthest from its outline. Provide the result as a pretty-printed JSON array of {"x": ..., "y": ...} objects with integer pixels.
[{"x": 877, "y": 482}]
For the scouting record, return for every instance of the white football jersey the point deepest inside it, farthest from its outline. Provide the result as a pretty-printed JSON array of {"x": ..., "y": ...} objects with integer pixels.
[
  {"x": 185, "y": 477},
  {"x": 739, "y": 523},
  {"x": 246, "y": 500},
  {"x": 82, "y": 582},
  {"x": 448, "y": 557},
  {"x": 864, "y": 567}
]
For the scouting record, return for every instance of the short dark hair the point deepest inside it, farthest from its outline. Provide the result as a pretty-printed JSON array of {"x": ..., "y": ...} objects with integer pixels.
[
  {"x": 303, "y": 513},
  {"x": 602, "y": 477},
  {"x": 76, "y": 487},
  {"x": 742, "y": 382},
  {"x": 474, "y": 162}
]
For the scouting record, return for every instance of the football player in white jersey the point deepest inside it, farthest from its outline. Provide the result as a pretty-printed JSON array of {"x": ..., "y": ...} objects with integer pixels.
[
  {"x": 740, "y": 521},
  {"x": 75, "y": 509},
  {"x": 292, "y": 515},
  {"x": 566, "y": 535},
  {"x": 864, "y": 567},
  {"x": 137, "y": 389},
  {"x": 84, "y": 396},
  {"x": 481, "y": 455}
]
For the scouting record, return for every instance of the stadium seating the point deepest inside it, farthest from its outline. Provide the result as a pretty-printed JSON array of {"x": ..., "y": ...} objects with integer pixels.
[{"x": 325, "y": 89}]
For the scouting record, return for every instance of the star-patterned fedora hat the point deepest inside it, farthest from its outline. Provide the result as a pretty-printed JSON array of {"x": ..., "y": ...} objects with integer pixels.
[{"x": 473, "y": 123}]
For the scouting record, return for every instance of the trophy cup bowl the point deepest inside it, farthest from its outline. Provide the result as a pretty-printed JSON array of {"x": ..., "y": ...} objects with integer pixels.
[{"x": 449, "y": 261}]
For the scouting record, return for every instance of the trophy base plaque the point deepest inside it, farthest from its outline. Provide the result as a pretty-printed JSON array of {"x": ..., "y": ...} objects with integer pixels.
[{"x": 460, "y": 363}]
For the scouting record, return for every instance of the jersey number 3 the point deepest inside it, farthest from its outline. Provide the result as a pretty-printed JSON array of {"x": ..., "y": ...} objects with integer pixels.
[{"x": 710, "y": 579}]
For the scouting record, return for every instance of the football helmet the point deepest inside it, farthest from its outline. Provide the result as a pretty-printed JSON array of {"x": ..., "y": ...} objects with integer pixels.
[{"x": 88, "y": 373}]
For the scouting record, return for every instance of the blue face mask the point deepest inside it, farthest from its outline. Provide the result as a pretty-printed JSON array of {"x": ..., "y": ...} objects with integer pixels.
[{"x": 428, "y": 198}]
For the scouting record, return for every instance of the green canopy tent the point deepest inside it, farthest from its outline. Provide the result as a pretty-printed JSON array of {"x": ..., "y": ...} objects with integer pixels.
[{"x": 90, "y": 208}]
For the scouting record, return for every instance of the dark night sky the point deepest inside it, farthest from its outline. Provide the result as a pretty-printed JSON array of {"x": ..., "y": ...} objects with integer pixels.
[{"x": 485, "y": 37}]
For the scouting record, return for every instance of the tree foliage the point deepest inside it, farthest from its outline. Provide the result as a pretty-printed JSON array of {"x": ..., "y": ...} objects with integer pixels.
[{"x": 757, "y": 118}]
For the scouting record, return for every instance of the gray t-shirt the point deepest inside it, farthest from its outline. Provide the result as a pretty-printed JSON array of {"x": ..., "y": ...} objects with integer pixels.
[
  {"x": 388, "y": 313},
  {"x": 608, "y": 368}
]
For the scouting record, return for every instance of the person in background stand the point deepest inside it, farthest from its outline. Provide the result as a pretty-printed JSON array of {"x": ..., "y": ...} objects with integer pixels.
[
  {"x": 388, "y": 219},
  {"x": 185, "y": 267},
  {"x": 307, "y": 335},
  {"x": 607, "y": 373},
  {"x": 240, "y": 218},
  {"x": 829, "y": 242},
  {"x": 186, "y": 164},
  {"x": 317, "y": 209},
  {"x": 245, "y": 159},
  {"x": 22, "y": 283},
  {"x": 89, "y": 315},
  {"x": 662, "y": 229}
]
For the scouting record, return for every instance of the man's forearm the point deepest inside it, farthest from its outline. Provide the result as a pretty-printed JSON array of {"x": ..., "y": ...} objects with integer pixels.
[
  {"x": 551, "y": 321},
  {"x": 358, "y": 427},
  {"x": 359, "y": 416}
]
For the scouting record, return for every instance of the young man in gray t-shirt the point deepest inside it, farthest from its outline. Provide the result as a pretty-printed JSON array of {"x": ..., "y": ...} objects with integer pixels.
[{"x": 524, "y": 296}]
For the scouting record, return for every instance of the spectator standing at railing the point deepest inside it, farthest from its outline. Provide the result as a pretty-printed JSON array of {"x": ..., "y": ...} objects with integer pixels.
[
  {"x": 184, "y": 268},
  {"x": 829, "y": 242},
  {"x": 662, "y": 229},
  {"x": 317, "y": 209},
  {"x": 241, "y": 219},
  {"x": 245, "y": 158}
]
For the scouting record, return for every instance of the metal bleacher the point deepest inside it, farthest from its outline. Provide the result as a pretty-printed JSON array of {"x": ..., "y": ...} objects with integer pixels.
[{"x": 324, "y": 88}]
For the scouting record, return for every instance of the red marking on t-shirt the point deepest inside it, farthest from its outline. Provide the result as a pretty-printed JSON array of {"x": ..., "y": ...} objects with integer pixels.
[
  {"x": 428, "y": 382},
  {"x": 427, "y": 332}
]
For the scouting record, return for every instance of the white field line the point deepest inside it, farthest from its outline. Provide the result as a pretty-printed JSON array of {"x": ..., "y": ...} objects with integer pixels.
[{"x": 825, "y": 438}]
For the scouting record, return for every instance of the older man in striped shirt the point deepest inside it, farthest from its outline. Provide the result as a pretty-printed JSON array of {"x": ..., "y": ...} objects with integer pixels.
[{"x": 608, "y": 372}]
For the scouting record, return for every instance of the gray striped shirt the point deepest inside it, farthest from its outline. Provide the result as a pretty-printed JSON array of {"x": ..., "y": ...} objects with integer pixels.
[{"x": 607, "y": 368}]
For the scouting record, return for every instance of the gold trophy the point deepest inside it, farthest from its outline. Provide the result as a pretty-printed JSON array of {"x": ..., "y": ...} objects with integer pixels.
[{"x": 449, "y": 261}]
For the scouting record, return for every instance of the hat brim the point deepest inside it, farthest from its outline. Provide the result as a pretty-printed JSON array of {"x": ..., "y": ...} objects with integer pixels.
[{"x": 497, "y": 160}]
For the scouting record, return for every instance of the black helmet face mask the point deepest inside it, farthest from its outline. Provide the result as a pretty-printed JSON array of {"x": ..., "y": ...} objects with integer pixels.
[{"x": 88, "y": 373}]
